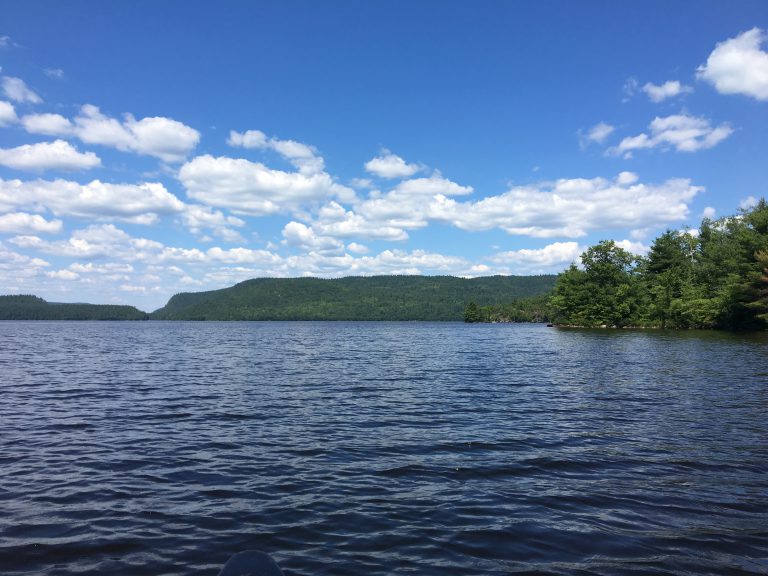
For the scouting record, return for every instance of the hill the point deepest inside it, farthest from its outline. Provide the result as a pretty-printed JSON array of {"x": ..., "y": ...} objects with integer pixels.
[
  {"x": 34, "y": 308},
  {"x": 352, "y": 298}
]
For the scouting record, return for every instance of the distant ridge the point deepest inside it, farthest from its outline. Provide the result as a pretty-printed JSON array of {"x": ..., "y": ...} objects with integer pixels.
[
  {"x": 27, "y": 307},
  {"x": 353, "y": 298}
]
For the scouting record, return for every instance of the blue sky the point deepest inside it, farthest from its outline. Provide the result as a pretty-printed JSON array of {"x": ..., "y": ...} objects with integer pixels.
[{"x": 148, "y": 148}]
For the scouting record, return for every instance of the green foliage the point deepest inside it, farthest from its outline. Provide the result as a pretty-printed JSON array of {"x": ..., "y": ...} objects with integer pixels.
[
  {"x": 717, "y": 278},
  {"x": 534, "y": 309},
  {"x": 352, "y": 298},
  {"x": 33, "y": 308}
]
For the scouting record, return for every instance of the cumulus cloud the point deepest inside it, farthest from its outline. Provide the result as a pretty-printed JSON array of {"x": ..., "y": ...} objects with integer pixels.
[
  {"x": 63, "y": 275},
  {"x": 553, "y": 257},
  {"x": 199, "y": 219},
  {"x": 18, "y": 91},
  {"x": 389, "y": 165},
  {"x": 137, "y": 203},
  {"x": 669, "y": 89},
  {"x": 302, "y": 156},
  {"x": 302, "y": 236},
  {"x": 738, "y": 66},
  {"x": 247, "y": 187},
  {"x": 57, "y": 155},
  {"x": 680, "y": 132},
  {"x": 7, "y": 113},
  {"x": 48, "y": 125},
  {"x": 567, "y": 207},
  {"x": 163, "y": 138},
  {"x": 23, "y": 223}
]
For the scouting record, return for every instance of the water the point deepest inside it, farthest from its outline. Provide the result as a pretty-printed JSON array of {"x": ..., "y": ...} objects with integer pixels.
[{"x": 381, "y": 448}]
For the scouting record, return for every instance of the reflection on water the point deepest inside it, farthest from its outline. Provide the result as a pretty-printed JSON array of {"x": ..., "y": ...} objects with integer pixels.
[{"x": 381, "y": 448}]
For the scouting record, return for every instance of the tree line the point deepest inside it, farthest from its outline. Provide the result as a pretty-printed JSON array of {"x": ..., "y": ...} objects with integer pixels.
[
  {"x": 715, "y": 277},
  {"x": 28, "y": 307}
]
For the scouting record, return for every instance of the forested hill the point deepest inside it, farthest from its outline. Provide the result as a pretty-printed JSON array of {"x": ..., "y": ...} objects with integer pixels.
[
  {"x": 352, "y": 298},
  {"x": 34, "y": 308}
]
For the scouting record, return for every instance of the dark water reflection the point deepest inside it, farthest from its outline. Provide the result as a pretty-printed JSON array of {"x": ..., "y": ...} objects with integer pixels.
[{"x": 378, "y": 448}]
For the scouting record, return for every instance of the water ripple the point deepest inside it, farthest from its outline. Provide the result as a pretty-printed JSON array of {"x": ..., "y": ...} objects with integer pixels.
[{"x": 381, "y": 448}]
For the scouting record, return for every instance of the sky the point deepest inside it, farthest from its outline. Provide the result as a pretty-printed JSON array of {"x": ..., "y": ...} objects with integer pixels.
[{"x": 155, "y": 147}]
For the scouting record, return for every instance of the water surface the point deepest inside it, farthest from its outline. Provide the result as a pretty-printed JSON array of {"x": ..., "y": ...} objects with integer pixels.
[{"x": 381, "y": 448}]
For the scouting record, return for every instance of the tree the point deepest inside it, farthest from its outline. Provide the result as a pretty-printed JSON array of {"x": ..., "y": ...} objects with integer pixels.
[{"x": 472, "y": 313}]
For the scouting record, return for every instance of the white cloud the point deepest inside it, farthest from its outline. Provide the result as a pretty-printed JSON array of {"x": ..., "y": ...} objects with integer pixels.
[
  {"x": 334, "y": 220},
  {"x": 630, "y": 88},
  {"x": 163, "y": 138},
  {"x": 299, "y": 235},
  {"x": 251, "y": 188},
  {"x": 63, "y": 275},
  {"x": 669, "y": 89},
  {"x": 57, "y": 73},
  {"x": 553, "y": 257},
  {"x": 748, "y": 202},
  {"x": 637, "y": 248},
  {"x": 598, "y": 133},
  {"x": 47, "y": 124},
  {"x": 138, "y": 203},
  {"x": 302, "y": 156},
  {"x": 200, "y": 218},
  {"x": 23, "y": 223},
  {"x": 626, "y": 178},
  {"x": 5, "y": 41},
  {"x": 19, "y": 264},
  {"x": 358, "y": 248},
  {"x": 682, "y": 132},
  {"x": 57, "y": 155},
  {"x": 17, "y": 90},
  {"x": 110, "y": 268},
  {"x": 570, "y": 208},
  {"x": 160, "y": 137},
  {"x": 738, "y": 66},
  {"x": 388, "y": 165},
  {"x": 7, "y": 113},
  {"x": 708, "y": 212}
]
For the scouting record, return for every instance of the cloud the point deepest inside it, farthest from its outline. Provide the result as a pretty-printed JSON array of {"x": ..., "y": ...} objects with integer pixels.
[
  {"x": 708, "y": 212},
  {"x": 163, "y": 138},
  {"x": 57, "y": 73},
  {"x": 738, "y": 66},
  {"x": 17, "y": 90},
  {"x": 572, "y": 208},
  {"x": 23, "y": 223},
  {"x": 137, "y": 203},
  {"x": 5, "y": 41},
  {"x": 302, "y": 236},
  {"x": 748, "y": 202},
  {"x": 198, "y": 219},
  {"x": 302, "y": 156},
  {"x": 247, "y": 187},
  {"x": 637, "y": 248},
  {"x": 669, "y": 89},
  {"x": 63, "y": 275},
  {"x": 682, "y": 132},
  {"x": 58, "y": 155},
  {"x": 553, "y": 257},
  {"x": 388, "y": 165},
  {"x": 598, "y": 133},
  {"x": 7, "y": 114},
  {"x": 47, "y": 124},
  {"x": 630, "y": 89}
]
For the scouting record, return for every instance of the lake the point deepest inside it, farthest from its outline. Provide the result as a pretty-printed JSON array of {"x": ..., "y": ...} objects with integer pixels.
[{"x": 161, "y": 448}]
